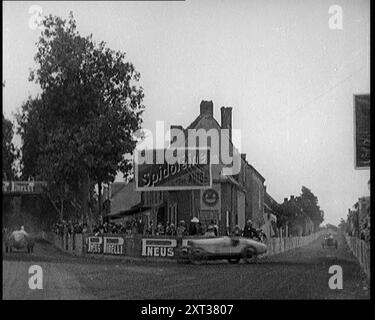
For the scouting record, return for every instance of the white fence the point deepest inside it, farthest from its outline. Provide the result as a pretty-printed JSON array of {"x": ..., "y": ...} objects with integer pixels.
[
  {"x": 278, "y": 245},
  {"x": 361, "y": 251},
  {"x": 76, "y": 243}
]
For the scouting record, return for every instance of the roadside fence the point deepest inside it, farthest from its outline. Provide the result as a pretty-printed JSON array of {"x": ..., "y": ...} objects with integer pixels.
[
  {"x": 361, "y": 251},
  {"x": 151, "y": 246}
]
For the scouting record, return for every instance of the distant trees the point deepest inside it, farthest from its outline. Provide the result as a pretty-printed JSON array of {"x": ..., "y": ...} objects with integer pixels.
[
  {"x": 298, "y": 212},
  {"x": 79, "y": 130},
  {"x": 309, "y": 204}
]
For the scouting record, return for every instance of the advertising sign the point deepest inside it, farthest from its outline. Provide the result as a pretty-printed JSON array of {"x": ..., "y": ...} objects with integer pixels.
[
  {"x": 114, "y": 245},
  {"x": 95, "y": 245},
  {"x": 210, "y": 204},
  {"x": 210, "y": 197},
  {"x": 362, "y": 131},
  {"x": 158, "y": 247},
  {"x": 164, "y": 169},
  {"x": 23, "y": 186},
  {"x": 107, "y": 245}
]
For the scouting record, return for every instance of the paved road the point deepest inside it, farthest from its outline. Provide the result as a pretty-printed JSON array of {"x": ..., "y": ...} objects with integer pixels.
[{"x": 297, "y": 274}]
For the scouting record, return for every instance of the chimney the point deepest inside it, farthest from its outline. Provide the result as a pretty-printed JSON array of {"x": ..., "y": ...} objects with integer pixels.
[
  {"x": 226, "y": 120},
  {"x": 207, "y": 108},
  {"x": 175, "y": 131},
  {"x": 243, "y": 156}
]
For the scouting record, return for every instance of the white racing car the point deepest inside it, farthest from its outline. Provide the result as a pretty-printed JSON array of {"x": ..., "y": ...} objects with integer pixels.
[
  {"x": 229, "y": 248},
  {"x": 19, "y": 240}
]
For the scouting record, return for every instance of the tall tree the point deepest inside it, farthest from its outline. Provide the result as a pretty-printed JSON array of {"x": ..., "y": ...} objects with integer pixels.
[
  {"x": 309, "y": 204},
  {"x": 9, "y": 150},
  {"x": 88, "y": 111}
]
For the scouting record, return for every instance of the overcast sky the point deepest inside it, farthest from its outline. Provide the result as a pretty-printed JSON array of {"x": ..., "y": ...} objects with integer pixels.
[{"x": 289, "y": 78}]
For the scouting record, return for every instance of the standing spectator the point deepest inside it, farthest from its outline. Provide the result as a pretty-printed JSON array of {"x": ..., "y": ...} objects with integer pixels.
[
  {"x": 249, "y": 231},
  {"x": 160, "y": 229},
  {"x": 140, "y": 226},
  {"x": 193, "y": 230},
  {"x": 199, "y": 229},
  {"x": 171, "y": 231},
  {"x": 216, "y": 228},
  {"x": 181, "y": 230},
  {"x": 237, "y": 231},
  {"x": 210, "y": 232}
]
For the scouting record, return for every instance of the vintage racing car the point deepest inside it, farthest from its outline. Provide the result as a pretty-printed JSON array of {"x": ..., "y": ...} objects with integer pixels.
[
  {"x": 329, "y": 242},
  {"x": 229, "y": 248},
  {"x": 19, "y": 240}
]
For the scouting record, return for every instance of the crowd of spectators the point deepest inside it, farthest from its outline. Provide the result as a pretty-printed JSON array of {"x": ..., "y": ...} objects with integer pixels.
[
  {"x": 134, "y": 226},
  {"x": 195, "y": 228},
  {"x": 70, "y": 227}
]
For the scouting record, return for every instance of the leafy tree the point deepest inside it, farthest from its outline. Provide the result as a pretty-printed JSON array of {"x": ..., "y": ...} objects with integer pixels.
[
  {"x": 9, "y": 150},
  {"x": 86, "y": 116},
  {"x": 309, "y": 204},
  {"x": 29, "y": 129}
]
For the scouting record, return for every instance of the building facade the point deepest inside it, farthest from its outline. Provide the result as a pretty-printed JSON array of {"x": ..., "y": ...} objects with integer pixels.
[{"x": 232, "y": 199}]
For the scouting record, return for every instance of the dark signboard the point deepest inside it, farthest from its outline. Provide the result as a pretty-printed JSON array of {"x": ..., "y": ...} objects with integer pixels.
[
  {"x": 362, "y": 130},
  {"x": 210, "y": 197},
  {"x": 185, "y": 170}
]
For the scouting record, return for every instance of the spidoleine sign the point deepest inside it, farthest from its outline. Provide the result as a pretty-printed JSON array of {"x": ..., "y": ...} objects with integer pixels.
[{"x": 164, "y": 169}]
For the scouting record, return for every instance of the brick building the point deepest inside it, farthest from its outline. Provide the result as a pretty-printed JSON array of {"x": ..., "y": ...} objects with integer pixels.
[{"x": 232, "y": 199}]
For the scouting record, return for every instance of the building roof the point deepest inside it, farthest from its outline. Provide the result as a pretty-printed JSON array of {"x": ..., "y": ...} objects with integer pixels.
[
  {"x": 124, "y": 197},
  {"x": 270, "y": 202},
  {"x": 199, "y": 122}
]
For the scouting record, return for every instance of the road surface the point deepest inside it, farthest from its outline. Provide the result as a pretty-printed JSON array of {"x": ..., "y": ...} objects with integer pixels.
[{"x": 298, "y": 274}]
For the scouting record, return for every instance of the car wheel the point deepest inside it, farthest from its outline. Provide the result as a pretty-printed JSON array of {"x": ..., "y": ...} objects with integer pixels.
[
  {"x": 248, "y": 253},
  {"x": 234, "y": 260},
  {"x": 196, "y": 258}
]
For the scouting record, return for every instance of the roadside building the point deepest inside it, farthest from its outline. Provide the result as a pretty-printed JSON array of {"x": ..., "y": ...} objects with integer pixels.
[
  {"x": 127, "y": 204},
  {"x": 271, "y": 212},
  {"x": 232, "y": 198}
]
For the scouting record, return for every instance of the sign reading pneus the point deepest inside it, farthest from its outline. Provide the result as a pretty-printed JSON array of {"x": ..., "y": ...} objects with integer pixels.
[{"x": 158, "y": 247}]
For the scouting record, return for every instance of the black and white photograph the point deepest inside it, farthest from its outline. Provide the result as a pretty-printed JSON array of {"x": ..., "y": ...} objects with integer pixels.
[{"x": 186, "y": 155}]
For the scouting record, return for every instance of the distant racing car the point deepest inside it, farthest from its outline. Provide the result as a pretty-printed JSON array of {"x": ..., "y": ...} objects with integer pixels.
[
  {"x": 19, "y": 240},
  {"x": 329, "y": 242},
  {"x": 232, "y": 249}
]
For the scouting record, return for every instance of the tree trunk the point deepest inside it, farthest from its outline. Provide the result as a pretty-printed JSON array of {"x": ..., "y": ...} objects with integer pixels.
[
  {"x": 100, "y": 201},
  {"x": 61, "y": 209},
  {"x": 85, "y": 200}
]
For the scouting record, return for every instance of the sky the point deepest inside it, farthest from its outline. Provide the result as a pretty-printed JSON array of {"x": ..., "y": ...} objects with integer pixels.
[{"x": 289, "y": 78}]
